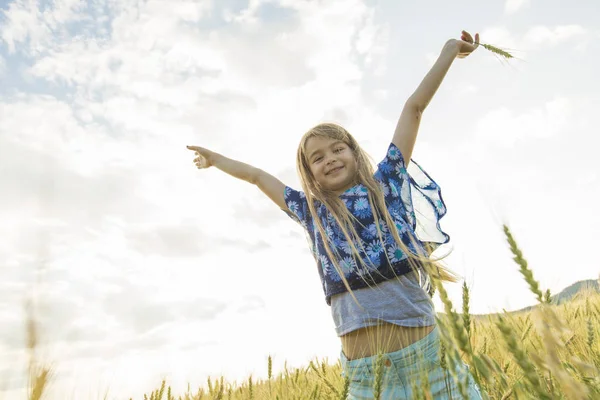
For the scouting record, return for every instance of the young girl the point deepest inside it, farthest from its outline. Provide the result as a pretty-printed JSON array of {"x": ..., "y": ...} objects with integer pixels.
[{"x": 367, "y": 231}]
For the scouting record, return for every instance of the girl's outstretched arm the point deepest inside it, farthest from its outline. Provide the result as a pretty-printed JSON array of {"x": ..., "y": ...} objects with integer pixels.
[
  {"x": 268, "y": 184},
  {"x": 407, "y": 128}
]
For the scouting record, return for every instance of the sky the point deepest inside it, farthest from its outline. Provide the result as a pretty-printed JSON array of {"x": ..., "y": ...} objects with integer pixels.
[{"x": 142, "y": 267}]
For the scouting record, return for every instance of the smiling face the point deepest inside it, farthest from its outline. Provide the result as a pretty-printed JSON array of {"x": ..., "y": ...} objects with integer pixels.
[{"x": 332, "y": 163}]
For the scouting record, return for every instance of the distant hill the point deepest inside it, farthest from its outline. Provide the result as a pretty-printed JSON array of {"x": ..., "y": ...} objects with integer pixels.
[
  {"x": 571, "y": 292},
  {"x": 575, "y": 289},
  {"x": 567, "y": 294}
]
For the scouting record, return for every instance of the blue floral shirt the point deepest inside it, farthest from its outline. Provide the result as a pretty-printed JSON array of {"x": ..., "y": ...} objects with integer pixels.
[{"x": 415, "y": 204}]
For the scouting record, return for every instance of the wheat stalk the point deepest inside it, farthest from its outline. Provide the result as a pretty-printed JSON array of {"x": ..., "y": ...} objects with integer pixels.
[
  {"x": 521, "y": 357},
  {"x": 346, "y": 388},
  {"x": 466, "y": 314},
  {"x": 496, "y": 50},
  {"x": 590, "y": 334},
  {"x": 550, "y": 325},
  {"x": 315, "y": 393},
  {"x": 250, "y": 388},
  {"x": 378, "y": 376},
  {"x": 525, "y": 271},
  {"x": 324, "y": 379}
]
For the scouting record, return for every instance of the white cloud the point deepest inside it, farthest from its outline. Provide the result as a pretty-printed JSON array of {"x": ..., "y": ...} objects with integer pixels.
[
  {"x": 195, "y": 81},
  {"x": 28, "y": 23},
  {"x": 372, "y": 43},
  {"x": 22, "y": 24},
  {"x": 512, "y": 6},
  {"x": 543, "y": 35},
  {"x": 50, "y": 126},
  {"x": 504, "y": 127}
]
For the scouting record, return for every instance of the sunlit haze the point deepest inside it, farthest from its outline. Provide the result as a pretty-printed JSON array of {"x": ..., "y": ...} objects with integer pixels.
[{"x": 144, "y": 267}]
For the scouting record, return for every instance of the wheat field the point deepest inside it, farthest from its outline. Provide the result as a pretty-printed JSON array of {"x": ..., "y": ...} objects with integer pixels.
[{"x": 551, "y": 352}]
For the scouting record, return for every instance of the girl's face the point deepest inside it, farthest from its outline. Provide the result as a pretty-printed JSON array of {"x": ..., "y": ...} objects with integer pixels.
[{"x": 332, "y": 163}]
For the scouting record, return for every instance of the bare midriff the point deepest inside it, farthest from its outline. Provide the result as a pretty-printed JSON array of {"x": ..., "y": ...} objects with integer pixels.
[{"x": 385, "y": 338}]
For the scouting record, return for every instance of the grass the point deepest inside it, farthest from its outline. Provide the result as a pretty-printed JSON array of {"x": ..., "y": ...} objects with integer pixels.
[
  {"x": 550, "y": 352},
  {"x": 38, "y": 374}
]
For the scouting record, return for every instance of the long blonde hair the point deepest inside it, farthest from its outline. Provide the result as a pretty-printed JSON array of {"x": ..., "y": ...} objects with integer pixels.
[{"x": 343, "y": 217}]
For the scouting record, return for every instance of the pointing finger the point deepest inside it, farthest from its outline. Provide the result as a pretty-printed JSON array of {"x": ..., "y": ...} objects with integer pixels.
[{"x": 198, "y": 150}]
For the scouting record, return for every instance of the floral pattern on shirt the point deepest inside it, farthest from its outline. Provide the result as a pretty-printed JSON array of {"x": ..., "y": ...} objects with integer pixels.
[{"x": 404, "y": 191}]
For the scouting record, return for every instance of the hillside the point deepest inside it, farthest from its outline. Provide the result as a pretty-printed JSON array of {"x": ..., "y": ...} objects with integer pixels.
[{"x": 567, "y": 294}]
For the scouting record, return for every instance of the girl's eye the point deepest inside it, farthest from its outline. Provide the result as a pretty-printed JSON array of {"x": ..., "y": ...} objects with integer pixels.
[
  {"x": 318, "y": 159},
  {"x": 339, "y": 149}
]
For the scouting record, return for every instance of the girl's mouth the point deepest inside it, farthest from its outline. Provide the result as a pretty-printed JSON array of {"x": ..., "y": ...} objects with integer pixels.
[{"x": 333, "y": 171}]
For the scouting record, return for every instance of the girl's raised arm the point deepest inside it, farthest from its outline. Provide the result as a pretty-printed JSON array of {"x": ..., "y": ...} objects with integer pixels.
[
  {"x": 407, "y": 128},
  {"x": 268, "y": 184}
]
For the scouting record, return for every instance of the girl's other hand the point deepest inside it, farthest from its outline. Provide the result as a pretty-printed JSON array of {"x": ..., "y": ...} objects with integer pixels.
[
  {"x": 203, "y": 157},
  {"x": 467, "y": 45}
]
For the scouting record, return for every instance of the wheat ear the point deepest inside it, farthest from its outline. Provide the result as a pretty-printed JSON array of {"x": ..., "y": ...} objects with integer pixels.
[{"x": 496, "y": 50}]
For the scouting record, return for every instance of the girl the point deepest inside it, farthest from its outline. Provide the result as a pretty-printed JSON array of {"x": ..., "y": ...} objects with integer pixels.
[{"x": 367, "y": 231}]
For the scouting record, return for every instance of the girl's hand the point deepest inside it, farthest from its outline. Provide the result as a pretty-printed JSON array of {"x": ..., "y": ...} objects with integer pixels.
[
  {"x": 466, "y": 45},
  {"x": 204, "y": 157}
]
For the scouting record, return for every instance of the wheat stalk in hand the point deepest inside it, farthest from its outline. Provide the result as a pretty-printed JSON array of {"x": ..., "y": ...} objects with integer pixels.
[{"x": 466, "y": 37}]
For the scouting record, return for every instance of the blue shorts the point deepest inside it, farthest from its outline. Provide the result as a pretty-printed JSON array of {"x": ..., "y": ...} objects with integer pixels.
[{"x": 403, "y": 372}]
